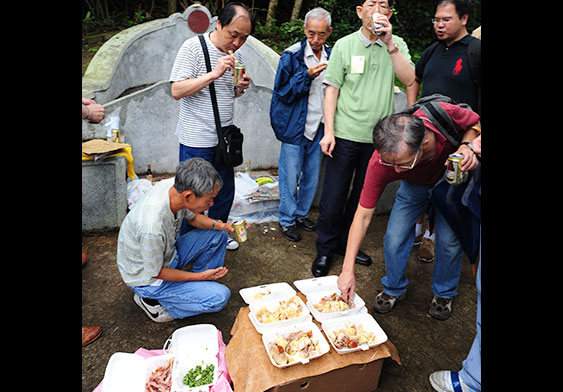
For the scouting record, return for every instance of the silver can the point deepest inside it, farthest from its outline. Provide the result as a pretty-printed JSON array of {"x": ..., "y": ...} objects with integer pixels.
[{"x": 376, "y": 25}]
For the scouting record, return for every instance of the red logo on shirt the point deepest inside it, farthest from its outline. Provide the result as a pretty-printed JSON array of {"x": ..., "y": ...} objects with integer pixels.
[{"x": 457, "y": 69}]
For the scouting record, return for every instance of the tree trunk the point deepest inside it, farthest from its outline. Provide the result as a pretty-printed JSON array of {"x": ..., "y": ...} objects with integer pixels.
[
  {"x": 171, "y": 6},
  {"x": 271, "y": 12},
  {"x": 296, "y": 10}
]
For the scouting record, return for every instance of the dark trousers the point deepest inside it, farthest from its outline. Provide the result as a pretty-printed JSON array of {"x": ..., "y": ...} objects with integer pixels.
[
  {"x": 224, "y": 200},
  {"x": 338, "y": 206}
]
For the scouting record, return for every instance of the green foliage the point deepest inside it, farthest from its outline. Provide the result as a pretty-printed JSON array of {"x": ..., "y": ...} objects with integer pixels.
[
  {"x": 410, "y": 20},
  {"x": 280, "y": 37}
]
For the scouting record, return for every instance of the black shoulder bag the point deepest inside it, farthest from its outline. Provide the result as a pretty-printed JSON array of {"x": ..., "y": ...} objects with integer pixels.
[{"x": 229, "y": 147}]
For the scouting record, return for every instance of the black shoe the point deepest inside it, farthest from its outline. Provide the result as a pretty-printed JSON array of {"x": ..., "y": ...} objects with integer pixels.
[
  {"x": 291, "y": 233},
  {"x": 306, "y": 224},
  {"x": 320, "y": 266},
  {"x": 361, "y": 257}
]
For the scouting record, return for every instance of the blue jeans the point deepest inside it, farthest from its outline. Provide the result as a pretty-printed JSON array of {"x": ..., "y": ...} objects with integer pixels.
[
  {"x": 410, "y": 201},
  {"x": 206, "y": 249},
  {"x": 224, "y": 199},
  {"x": 298, "y": 164},
  {"x": 471, "y": 371}
]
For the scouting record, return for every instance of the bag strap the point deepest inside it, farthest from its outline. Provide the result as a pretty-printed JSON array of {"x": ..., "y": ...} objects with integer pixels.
[
  {"x": 441, "y": 120},
  {"x": 211, "y": 88}
]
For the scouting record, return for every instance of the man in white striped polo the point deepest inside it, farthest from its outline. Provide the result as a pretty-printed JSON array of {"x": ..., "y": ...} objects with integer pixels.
[{"x": 190, "y": 80}]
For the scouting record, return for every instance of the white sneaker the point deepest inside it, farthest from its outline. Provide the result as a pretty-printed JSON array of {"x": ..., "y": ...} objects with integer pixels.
[
  {"x": 441, "y": 381},
  {"x": 231, "y": 244},
  {"x": 156, "y": 313}
]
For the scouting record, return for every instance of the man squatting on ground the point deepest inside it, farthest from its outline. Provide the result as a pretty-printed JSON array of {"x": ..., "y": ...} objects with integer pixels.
[{"x": 151, "y": 258}]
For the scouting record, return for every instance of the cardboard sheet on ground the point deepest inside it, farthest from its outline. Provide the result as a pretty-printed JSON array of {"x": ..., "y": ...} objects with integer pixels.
[{"x": 251, "y": 369}]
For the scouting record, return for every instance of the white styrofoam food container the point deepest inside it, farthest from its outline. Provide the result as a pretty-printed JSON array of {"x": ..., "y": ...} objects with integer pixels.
[
  {"x": 127, "y": 372},
  {"x": 276, "y": 290},
  {"x": 312, "y": 285},
  {"x": 323, "y": 345},
  {"x": 189, "y": 346},
  {"x": 315, "y": 298},
  {"x": 317, "y": 288},
  {"x": 272, "y": 306},
  {"x": 369, "y": 324}
]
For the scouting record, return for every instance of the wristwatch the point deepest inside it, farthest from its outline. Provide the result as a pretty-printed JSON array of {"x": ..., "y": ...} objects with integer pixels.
[
  {"x": 469, "y": 144},
  {"x": 395, "y": 49}
]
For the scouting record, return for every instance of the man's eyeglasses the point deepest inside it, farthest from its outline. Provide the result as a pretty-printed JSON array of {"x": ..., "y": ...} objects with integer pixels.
[
  {"x": 438, "y": 20},
  {"x": 400, "y": 166}
]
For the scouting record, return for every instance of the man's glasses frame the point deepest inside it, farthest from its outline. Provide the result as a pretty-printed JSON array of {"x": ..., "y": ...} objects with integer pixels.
[{"x": 400, "y": 166}]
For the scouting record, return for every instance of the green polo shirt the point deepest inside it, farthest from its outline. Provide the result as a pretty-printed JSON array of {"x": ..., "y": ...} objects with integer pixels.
[{"x": 363, "y": 72}]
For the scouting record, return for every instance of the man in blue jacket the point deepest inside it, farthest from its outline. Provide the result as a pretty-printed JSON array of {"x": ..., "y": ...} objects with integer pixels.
[{"x": 296, "y": 115}]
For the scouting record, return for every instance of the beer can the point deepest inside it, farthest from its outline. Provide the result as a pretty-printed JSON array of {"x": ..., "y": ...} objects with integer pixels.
[
  {"x": 454, "y": 175},
  {"x": 376, "y": 25},
  {"x": 238, "y": 72},
  {"x": 115, "y": 136},
  {"x": 240, "y": 230}
]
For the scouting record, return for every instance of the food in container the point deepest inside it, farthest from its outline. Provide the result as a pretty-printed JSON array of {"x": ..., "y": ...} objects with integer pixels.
[
  {"x": 199, "y": 375},
  {"x": 323, "y": 307},
  {"x": 353, "y": 333},
  {"x": 351, "y": 336},
  {"x": 333, "y": 303},
  {"x": 327, "y": 286},
  {"x": 193, "y": 345},
  {"x": 160, "y": 379},
  {"x": 296, "y": 344},
  {"x": 285, "y": 348},
  {"x": 287, "y": 309}
]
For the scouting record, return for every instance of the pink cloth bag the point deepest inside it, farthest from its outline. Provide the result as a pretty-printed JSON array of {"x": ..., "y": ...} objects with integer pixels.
[{"x": 223, "y": 383}]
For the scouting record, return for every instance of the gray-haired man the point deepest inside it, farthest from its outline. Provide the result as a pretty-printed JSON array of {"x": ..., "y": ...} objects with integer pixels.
[{"x": 151, "y": 258}]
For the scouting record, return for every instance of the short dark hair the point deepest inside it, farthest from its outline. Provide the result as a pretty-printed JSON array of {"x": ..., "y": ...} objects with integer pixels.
[
  {"x": 390, "y": 131},
  {"x": 462, "y": 7},
  {"x": 228, "y": 12}
]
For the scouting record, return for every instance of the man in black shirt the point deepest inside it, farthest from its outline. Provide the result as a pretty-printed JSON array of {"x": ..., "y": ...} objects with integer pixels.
[
  {"x": 450, "y": 66},
  {"x": 446, "y": 67}
]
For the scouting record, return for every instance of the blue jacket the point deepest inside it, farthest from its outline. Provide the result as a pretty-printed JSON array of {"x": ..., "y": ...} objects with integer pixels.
[{"x": 288, "y": 109}]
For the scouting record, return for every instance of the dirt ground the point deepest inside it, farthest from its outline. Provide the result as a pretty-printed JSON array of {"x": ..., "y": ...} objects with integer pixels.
[{"x": 424, "y": 344}]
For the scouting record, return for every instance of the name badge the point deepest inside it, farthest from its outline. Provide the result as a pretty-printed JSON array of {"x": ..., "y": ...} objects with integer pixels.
[{"x": 357, "y": 65}]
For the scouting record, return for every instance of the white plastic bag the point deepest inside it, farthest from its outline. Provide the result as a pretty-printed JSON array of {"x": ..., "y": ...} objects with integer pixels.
[
  {"x": 136, "y": 189},
  {"x": 244, "y": 185},
  {"x": 112, "y": 122}
]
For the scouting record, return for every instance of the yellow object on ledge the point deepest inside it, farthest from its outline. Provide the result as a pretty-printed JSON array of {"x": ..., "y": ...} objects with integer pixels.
[{"x": 99, "y": 146}]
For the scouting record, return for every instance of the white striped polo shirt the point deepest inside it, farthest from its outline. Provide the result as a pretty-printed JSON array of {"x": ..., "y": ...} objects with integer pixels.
[{"x": 196, "y": 123}]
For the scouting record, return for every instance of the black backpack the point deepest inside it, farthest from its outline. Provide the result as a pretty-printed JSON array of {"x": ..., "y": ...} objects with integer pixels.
[{"x": 438, "y": 116}]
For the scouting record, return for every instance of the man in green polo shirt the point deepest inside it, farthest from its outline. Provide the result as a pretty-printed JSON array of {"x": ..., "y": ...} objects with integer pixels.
[{"x": 359, "y": 92}]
